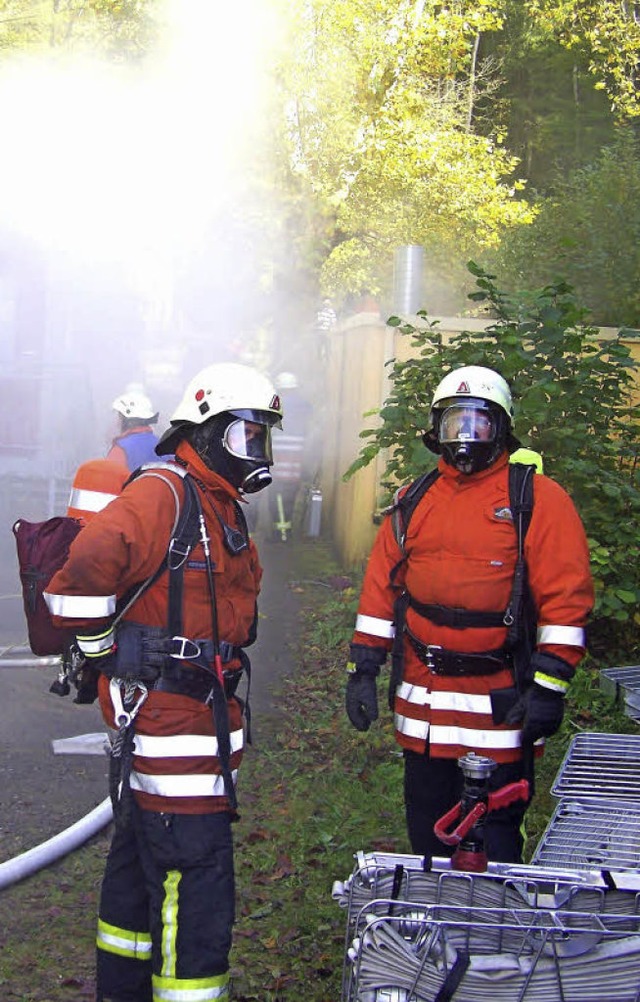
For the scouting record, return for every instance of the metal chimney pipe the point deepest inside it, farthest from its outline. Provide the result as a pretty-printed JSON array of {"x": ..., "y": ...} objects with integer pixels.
[{"x": 408, "y": 278}]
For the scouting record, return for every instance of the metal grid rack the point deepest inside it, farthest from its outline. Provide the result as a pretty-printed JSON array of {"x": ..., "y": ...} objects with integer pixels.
[
  {"x": 624, "y": 682},
  {"x": 601, "y": 767},
  {"x": 591, "y": 834}
]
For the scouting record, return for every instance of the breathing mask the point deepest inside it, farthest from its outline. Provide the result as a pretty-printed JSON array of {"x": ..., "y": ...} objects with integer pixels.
[
  {"x": 237, "y": 445},
  {"x": 471, "y": 433}
]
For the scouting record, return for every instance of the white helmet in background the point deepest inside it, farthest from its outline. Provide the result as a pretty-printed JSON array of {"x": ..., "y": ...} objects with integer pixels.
[
  {"x": 135, "y": 405},
  {"x": 227, "y": 413},
  {"x": 471, "y": 418},
  {"x": 286, "y": 381}
]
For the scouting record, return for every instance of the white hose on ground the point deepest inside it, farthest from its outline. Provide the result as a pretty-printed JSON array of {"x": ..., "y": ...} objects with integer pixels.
[{"x": 28, "y": 863}]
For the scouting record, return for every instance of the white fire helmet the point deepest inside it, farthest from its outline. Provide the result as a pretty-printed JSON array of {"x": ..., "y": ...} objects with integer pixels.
[
  {"x": 135, "y": 404},
  {"x": 471, "y": 418},
  {"x": 223, "y": 388},
  {"x": 286, "y": 381},
  {"x": 475, "y": 381}
]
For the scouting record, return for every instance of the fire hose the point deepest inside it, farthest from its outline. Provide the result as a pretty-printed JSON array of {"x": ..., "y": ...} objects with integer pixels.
[
  {"x": 55, "y": 848},
  {"x": 506, "y": 955}
]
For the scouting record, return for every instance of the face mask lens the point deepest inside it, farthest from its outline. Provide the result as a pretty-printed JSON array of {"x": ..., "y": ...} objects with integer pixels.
[
  {"x": 462, "y": 423},
  {"x": 249, "y": 440}
]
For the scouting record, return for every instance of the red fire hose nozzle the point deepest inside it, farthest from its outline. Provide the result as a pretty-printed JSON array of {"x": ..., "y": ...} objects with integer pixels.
[{"x": 506, "y": 795}]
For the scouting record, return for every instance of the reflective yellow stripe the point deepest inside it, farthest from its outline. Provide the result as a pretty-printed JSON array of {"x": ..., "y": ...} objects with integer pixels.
[
  {"x": 549, "y": 682},
  {"x": 191, "y": 989},
  {"x": 170, "y": 923},
  {"x": 123, "y": 942},
  {"x": 95, "y": 645}
]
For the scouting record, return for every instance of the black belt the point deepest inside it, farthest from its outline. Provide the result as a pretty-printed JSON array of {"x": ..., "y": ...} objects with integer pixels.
[
  {"x": 457, "y": 619},
  {"x": 443, "y": 662},
  {"x": 196, "y": 683}
]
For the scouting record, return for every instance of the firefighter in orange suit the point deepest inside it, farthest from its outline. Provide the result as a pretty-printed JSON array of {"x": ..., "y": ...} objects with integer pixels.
[
  {"x": 95, "y": 484},
  {"x": 456, "y": 690},
  {"x": 168, "y": 674}
]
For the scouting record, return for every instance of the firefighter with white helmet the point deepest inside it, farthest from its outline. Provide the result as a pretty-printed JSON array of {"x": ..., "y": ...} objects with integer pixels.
[
  {"x": 135, "y": 440},
  {"x": 161, "y": 590},
  {"x": 471, "y": 673}
]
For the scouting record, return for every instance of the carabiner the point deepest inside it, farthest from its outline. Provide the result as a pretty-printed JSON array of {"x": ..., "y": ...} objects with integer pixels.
[{"x": 123, "y": 717}]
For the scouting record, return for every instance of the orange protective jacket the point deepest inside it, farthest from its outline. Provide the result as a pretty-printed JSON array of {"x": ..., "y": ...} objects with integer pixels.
[
  {"x": 175, "y": 766},
  {"x": 461, "y": 551}
]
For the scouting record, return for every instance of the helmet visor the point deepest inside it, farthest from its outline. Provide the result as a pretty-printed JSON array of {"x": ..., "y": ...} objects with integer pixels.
[
  {"x": 249, "y": 440},
  {"x": 467, "y": 422}
]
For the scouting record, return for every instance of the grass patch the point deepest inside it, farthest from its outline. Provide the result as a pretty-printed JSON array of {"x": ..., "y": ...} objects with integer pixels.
[{"x": 312, "y": 792}]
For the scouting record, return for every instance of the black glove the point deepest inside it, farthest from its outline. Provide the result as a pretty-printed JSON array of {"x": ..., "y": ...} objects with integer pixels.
[
  {"x": 541, "y": 711},
  {"x": 362, "y": 697}
]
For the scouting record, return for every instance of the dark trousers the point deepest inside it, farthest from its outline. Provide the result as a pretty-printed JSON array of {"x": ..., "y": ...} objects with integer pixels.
[
  {"x": 432, "y": 786},
  {"x": 166, "y": 905}
]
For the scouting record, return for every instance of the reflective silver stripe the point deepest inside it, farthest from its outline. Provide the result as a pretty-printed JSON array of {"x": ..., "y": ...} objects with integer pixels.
[
  {"x": 85, "y": 500},
  {"x": 570, "y": 636},
  {"x": 375, "y": 627},
  {"x": 95, "y": 645},
  {"x": 412, "y": 728},
  {"x": 417, "y": 694},
  {"x": 80, "y": 606},
  {"x": 215, "y": 989},
  {"x": 464, "y": 702},
  {"x": 121, "y": 941},
  {"x": 471, "y": 737},
  {"x": 180, "y": 786},
  {"x": 183, "y": 745}
]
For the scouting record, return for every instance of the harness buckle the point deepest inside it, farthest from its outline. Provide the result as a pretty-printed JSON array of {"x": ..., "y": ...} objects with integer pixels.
[
  {"x": 174, "y": 551},
  {"x": 431, "y": 652},
  {"x": 187, "y": 650}
]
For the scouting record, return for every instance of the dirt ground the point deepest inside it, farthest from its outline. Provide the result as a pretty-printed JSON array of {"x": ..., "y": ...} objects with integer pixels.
[{"x": 41, "y": 793}]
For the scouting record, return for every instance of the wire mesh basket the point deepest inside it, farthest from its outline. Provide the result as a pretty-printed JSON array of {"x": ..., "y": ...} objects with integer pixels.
[
  {"x": 502, "y": 954},
  {"x": 584, "y": 834},
  {"x": 398, "y": 887},
  {"x": 623, "y": 682},
  {"x": 600, "y": 767}
]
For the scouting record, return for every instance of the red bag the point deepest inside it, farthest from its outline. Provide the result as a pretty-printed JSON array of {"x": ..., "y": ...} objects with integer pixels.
[{"x": 43, "y": 548}]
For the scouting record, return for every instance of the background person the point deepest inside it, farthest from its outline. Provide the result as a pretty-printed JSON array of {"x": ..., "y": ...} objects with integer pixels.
[
  {"x": 168, "y": 673},
  {"x": 455, "y": 689},
  {"x": 135, "y": 440}
]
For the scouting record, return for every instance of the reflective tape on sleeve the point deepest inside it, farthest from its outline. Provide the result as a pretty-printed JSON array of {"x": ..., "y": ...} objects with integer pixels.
[
  {"x": 80, "y": 606},
  {"x": 84, "y": 500},
  {"x": 550, "y": 682},
  {"x": 94, "y": 646},
  {"x": 569, "y": 636},
  {"x": 375, "y": 627}
]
